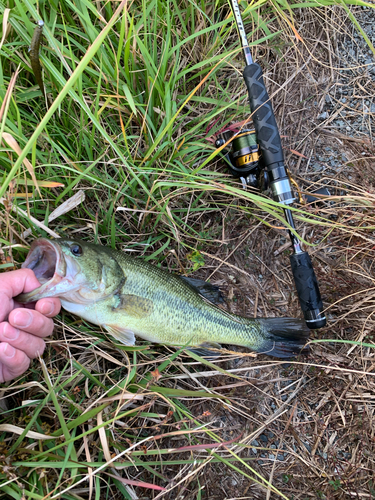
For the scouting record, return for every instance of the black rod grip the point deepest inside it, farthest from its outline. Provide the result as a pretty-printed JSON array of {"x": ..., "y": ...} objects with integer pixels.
[
  {"x": 308, "y": 290},
  {"x": 263, "y": 116}
]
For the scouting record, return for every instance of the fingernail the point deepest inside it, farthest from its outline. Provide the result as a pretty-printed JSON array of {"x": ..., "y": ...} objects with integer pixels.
[
  {"x": 10, "y": 333},
  {"x": 22, "y": 318},
  {"x": 47, "y": 308},
  {"x": 9, "y": 351}
]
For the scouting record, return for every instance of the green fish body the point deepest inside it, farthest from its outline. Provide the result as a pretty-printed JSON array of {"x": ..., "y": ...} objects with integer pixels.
[{"x": 130, "y": 297}]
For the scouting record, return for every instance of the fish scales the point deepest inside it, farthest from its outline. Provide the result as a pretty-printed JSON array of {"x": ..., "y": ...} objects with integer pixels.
[
  {"x": 129, "y": 296},
  {"x": 179, "y": 314}
]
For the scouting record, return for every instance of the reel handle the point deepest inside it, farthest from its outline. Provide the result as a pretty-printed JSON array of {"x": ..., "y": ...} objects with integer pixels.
[
  {"x": 307, "y": 290},
  {"x": 263, "y": 118},
  {"x": 270, "y": 145},
  {"x": 267, "y": 134}
]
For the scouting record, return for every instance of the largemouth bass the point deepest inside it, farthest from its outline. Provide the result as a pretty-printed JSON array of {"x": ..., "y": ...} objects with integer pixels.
[{"x": 128, "y": 297}]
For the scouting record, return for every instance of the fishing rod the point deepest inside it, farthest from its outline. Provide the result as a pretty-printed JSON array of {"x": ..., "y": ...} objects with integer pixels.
[{"x": 247, "y": 162}]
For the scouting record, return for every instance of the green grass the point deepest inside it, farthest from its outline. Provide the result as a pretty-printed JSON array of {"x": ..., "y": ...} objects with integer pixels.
[
  {"x": 129, "y": 114},
  {"x": 131, "y": 95}
]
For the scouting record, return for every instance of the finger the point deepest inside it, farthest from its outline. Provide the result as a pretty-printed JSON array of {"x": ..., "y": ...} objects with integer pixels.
[
  {"x": 49, "y": 307},
  {"x": 21, "y": 281},
  {"x": 31, "y": 321},
  {"x": 31, "y": 345},
  {"x": 12, "y": 362},
  {"x": 12, "y": 284}
]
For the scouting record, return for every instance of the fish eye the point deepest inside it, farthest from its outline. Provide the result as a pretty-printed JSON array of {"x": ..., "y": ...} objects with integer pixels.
[{"x": 76, "y": 250}]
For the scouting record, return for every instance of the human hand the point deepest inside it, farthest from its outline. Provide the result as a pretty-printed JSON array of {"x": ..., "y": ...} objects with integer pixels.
[{"x": 22, "y": 328}]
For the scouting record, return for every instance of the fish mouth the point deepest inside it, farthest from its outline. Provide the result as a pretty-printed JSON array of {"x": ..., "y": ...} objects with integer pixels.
[{"x": 47, "y": 260}]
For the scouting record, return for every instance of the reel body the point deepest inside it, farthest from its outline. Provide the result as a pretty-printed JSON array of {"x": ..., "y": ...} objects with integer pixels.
[{"x": 244, "y": 159}]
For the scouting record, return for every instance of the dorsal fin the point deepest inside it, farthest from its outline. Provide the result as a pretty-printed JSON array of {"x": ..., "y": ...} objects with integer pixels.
[{"x": 207, "y": 290}]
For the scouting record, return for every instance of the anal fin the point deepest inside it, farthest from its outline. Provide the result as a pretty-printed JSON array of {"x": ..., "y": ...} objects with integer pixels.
[{"x": 205, "y": 350}]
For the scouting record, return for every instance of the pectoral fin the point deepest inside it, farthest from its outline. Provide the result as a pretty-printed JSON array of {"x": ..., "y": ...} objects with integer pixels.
[
  {"x": 135, "y": 306},
  {"x": 121, "y": 334}
]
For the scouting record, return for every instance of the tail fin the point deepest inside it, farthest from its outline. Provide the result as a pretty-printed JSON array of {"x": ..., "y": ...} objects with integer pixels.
[{"x": 284, "y": 337}]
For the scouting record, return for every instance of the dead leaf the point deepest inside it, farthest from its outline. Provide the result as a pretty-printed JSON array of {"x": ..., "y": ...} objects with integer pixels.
[
  {"x": 5, "y": 26},
  {"x": 14, "y": 429},
  {"x": 68, "y": 205},
  {"x": 12, "y": 143},
  {"x": 297, "y": 153},
  {"x": 8, "y": 93},
  {"x": 298, "y": 36},
  {"x": 156, "y": 374},
  {"x": 103, "y": 439}
]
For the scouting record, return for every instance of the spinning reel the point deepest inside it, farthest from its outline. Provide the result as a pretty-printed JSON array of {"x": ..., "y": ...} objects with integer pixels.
[{"x": 244, "y": 159}]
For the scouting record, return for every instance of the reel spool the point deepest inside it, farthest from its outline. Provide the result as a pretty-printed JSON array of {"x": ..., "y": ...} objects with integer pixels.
[{"x": 244, "y": 160}]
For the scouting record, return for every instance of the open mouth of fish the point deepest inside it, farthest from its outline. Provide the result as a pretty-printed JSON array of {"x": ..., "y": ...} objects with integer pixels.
[{"x": 48, "y": 262}]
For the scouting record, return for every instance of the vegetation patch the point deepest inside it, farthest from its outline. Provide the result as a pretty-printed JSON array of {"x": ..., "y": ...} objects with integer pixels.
[{"x": 121, "y": 151}]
